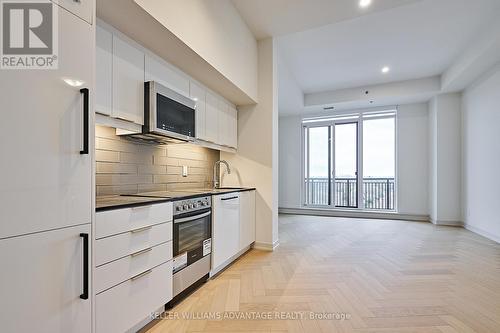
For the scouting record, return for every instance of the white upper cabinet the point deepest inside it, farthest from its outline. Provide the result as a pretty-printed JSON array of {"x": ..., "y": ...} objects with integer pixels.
[
  {"x": 47, "y": 183},
  {"x": 122, "y": 68},
  {"x": 233, "y": 127},
  {"x": 157, "y": 70},
  {"x": 128, "y": 81},
  {"x": 104, "y": 71},
  {"x": 212, "y": 118},
  {"x": 228, "y": 123},
  {"x": 223, "y": 123},
  {"x": 81, "y": 8},
  {"x": 198, "y": 93}
]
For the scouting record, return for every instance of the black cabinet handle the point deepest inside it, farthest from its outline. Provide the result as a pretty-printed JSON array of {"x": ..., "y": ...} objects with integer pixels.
[
  {"x": 85, "y": 93},
  {"x": 85, "y": 294},
  {"x": 230, "y": 198}
]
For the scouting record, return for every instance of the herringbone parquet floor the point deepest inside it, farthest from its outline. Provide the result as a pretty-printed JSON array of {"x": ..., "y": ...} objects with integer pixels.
[{"x": 387, "y": 276}]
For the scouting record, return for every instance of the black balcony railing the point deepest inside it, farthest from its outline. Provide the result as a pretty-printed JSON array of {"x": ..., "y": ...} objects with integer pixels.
[{"x": 378, "y": 193}]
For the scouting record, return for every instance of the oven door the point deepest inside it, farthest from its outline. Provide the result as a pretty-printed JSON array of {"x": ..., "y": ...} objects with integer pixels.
[
  {"x": 170, "y": 113},
  {"x": 192, "y": 237}
]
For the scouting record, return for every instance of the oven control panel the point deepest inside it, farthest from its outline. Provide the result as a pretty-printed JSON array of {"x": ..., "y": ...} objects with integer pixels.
[{"x": 192, "y": 204}]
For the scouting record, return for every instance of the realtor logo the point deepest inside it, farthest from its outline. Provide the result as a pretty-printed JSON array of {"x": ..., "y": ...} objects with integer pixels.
[{"x": 29, "y": 39}]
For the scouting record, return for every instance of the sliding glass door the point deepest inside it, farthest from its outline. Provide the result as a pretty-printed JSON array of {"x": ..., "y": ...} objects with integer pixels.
[
  {"x": 346, "y": 165},
  {"x": 349, "y": 161},
  {"x": 331, "y": 165}
]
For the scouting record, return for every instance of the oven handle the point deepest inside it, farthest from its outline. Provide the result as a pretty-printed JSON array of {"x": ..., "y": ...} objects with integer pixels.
[{"x": 191, "y": 218}]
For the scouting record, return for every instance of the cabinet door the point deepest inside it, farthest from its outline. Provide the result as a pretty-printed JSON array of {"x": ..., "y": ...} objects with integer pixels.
[
  {"x": 46, "y": 182},
  {"x": 198, "y": 93},
  {"x": 226, "y": 228},
  {"x": 223, "y": 123},
  {"x": 81, "y": 8},
  {"x": 247, "y": 218},
  {"x": 104, "y": 71},
  {"x": 212, "y": 118},
  {"x": 233, "y": 127},
  {"x": 128, "y": 82},
  {"x": 157, "y": 70},
  {"x": 42, "y": 280}
]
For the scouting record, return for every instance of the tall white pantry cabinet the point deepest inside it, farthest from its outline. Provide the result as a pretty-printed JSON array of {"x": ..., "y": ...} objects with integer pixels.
[{"x": 46, "y": 190}]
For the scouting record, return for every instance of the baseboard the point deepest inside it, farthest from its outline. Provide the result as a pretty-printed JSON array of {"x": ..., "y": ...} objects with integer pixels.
[
  {"x": 216, "y": 270},
  {"x": 355, "y": 214},
  {"x": 448, "y": 223},
  {"x": 481, "y": 232},
  {"x": 266, "y": 246}
]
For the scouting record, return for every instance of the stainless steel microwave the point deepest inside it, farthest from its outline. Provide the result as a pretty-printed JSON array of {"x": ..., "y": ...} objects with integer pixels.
[{"x": 168, "y": 115}]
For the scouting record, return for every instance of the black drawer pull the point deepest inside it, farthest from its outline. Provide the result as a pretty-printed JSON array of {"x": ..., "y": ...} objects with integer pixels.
[
  {"x": 85, "y": 294},
  {"x": 85, "y": 149}
]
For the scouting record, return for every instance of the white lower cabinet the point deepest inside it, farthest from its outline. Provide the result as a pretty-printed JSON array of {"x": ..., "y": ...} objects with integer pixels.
[
  {"x": 107, "y": 276},
  {"x": 121, "y": 245},
  {"x": 247, "y": 218},
  {"x": 124, "y": 306},
  {"x": 42, "y": 280},
  {"x": 233, "y": 226},
  {"x": 226, "y": 228},
  {"x": 118, "y": 221},
  {"x": 133, "y": 259}
]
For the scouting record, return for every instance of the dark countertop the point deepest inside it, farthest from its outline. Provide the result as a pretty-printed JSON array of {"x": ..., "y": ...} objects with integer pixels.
[
  {"x": 111, "y": 202},
  {"x": 118, "y": 201}
]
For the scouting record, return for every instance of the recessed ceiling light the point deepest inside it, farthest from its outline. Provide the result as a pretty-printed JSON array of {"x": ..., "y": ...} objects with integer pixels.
[
  {"x": 364, "y": 3},
  {"x": 385, "y": 69}
]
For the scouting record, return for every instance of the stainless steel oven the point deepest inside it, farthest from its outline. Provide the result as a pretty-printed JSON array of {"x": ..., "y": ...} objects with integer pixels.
[
  {"x": 192, "y": 242},
  {"x": 168, "y": 115}
]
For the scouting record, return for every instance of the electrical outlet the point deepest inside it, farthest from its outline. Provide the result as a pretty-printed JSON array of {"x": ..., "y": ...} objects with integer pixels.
[{"x": 184, "y": 171}]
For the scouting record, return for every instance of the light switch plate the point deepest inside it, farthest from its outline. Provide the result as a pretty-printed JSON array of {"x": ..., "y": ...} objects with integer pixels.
[{"x": 184, "y": 171}]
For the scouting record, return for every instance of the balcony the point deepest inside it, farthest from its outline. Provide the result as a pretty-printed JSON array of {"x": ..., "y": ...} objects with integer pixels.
[{"x": 378, "y": 193}]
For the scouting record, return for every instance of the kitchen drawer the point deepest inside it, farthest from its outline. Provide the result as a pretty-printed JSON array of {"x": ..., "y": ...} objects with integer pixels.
[
  {"x": 122, "y": 245},
  {"x": 121, "y": 307},
  {"x": 109, "y": 275},
  {"x": 116, "y": 221}
]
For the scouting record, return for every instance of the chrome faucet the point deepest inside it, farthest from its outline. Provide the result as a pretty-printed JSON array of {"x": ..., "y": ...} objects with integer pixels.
[{"x": 216, "y": 178}]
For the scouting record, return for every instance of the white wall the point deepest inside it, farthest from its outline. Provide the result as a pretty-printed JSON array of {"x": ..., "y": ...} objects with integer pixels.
[
  {"x": 413, "y": 159},
  {"x": 290, "y": 161},
  {"x": 412, "y": 155},
  {"x": 215, "y": 31},
  {"x": 290, "y": 95},
  {"x": 446, "y": 159},
  {"x": 481, "y": 156},
  {"x": 256, "y": 162}
]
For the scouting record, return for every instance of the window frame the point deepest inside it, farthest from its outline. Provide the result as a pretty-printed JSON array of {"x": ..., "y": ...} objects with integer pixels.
[{"x": 345, "y": 117}]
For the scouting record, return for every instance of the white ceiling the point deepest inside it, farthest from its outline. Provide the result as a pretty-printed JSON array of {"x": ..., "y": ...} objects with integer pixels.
[
  {"x": 267, "y": 18},
  {"x": 419, "y": 39}
]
